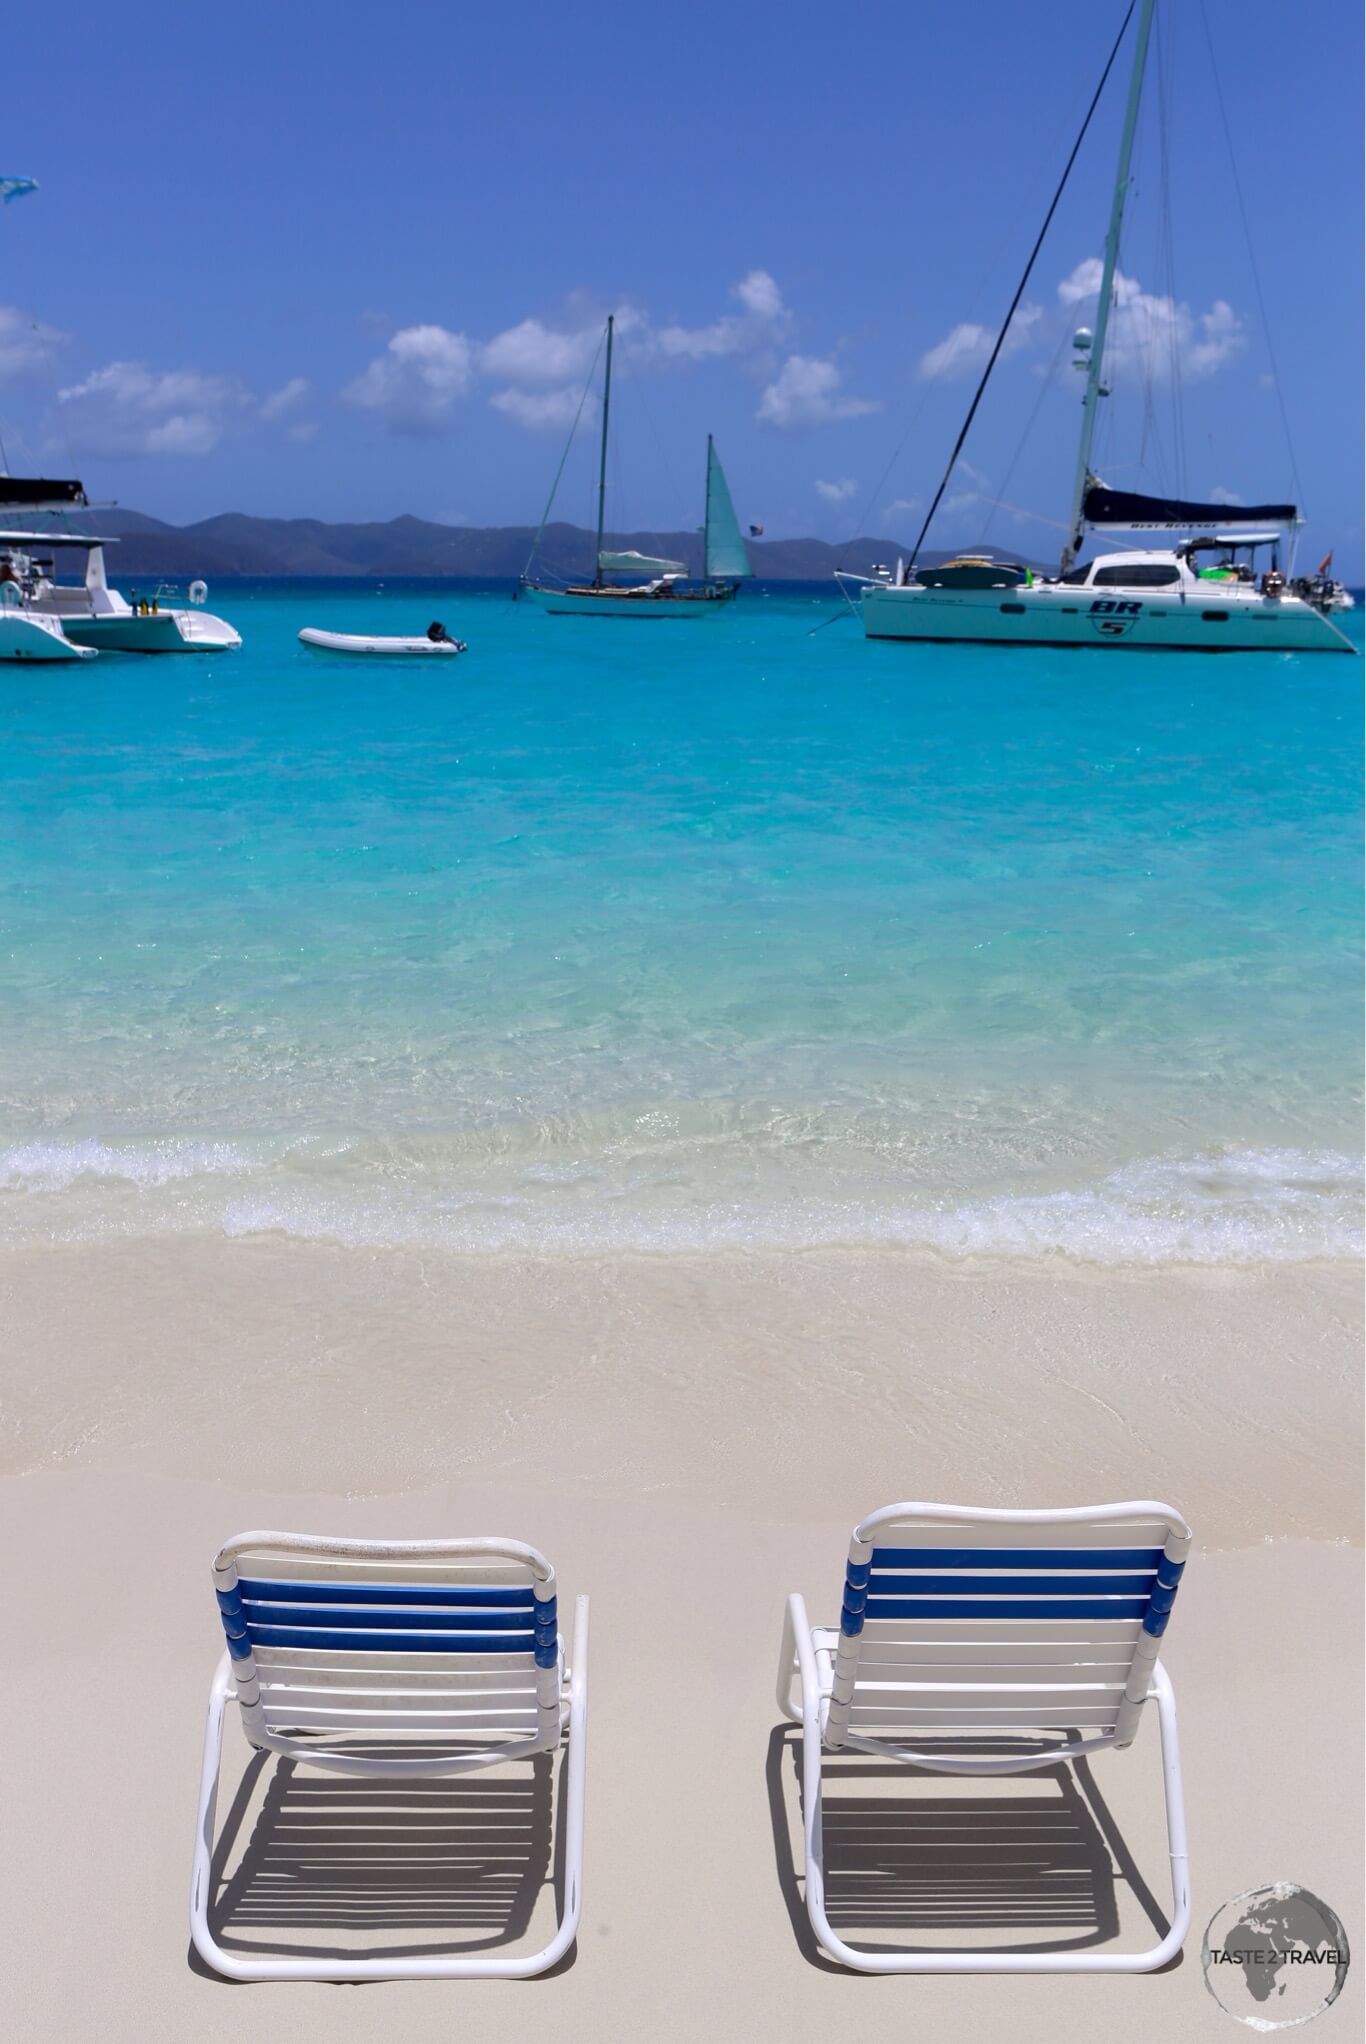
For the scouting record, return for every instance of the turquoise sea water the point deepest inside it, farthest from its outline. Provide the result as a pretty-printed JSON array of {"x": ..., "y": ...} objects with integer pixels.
[{"x": 672, "y": 936}]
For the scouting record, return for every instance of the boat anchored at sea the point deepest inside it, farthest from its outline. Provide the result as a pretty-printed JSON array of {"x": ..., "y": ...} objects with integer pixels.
[
  {"x": 654, "y": 588},
  {"x": 89, "y": 615},
  {"x": 1145, "y": 598}
]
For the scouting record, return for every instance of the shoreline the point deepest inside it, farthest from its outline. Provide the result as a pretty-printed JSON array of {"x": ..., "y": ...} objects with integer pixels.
[{"x": 752, "y": 1378}]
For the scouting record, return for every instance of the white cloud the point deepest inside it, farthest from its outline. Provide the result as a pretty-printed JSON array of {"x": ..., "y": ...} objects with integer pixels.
[
  {"x": 535, "y": 353},
  {"x": 759, "y": 294},
  {"x": 285, "y": 398},
  {"x": 540, "y": 365},
  {"x": 901, "y": 506},
  {"x": 417, "y": 381},
  {"x": 763, "y": 319},
  {"x": 806, "y": 392},
  {"x": 967, "y": 347},
  {"x": 304, "y": 431},
  {"x": 1219, "y": 495},
  {"x": 837, "y": 493},
  {"x": 128, "y": 409},
  {"x": 538, "y": 409},
  {"x": 1148, "y": 333},
  {"x": 24, "y": 343}
]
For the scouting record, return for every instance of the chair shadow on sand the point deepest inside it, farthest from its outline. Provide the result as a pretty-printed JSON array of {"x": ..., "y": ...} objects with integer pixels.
[
  {"x": 418, "y": 1866},
  {"x": 1028, "y": 1865}
]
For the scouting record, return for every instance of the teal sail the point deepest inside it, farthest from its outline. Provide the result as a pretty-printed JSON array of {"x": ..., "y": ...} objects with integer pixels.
[{"x": 726, "y": 559}]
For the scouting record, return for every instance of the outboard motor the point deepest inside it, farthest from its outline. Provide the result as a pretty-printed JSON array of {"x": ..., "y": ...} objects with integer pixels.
[{"x": 439, "y": 636}]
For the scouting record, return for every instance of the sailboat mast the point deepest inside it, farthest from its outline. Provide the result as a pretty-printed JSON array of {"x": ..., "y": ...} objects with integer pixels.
[
  {"x": 602, "y": 458},
  {"x": 706, "y": 519},
  {"x": 1107, "y": 282}
]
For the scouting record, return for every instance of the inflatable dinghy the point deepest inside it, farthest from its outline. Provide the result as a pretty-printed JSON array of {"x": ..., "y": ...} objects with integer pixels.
[{"x": 435, "y": 642}]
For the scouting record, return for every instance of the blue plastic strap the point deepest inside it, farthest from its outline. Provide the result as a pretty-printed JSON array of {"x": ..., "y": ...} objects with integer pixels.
[
  {"x": 234, "y": 1624},
  {"x": 454, "y": 1595},
  {"x": 547, "y": 1655},
  {"x": 1017, "y": 1607},
  {"x": 856, "y": 1574},
  {"x": 1169, "y": 1573},
  {"x": 1012, "y": 1586},
  {"x": 851, "y": 1622},
  {"x": 393, "y": 1642},
  {"x": 341, "y": 1616},
  {"x": 1018, "y": 1557}
]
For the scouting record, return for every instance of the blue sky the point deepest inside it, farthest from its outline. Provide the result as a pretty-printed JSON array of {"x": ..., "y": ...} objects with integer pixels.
[{"x": 324, "y": 260}]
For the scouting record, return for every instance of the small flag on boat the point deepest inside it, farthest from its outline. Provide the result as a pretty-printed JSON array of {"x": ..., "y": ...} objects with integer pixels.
[
  {"x": 1326, "y": 563},
  {"x": 17, "y": 187},
  {"x": 756, "y": 531}
]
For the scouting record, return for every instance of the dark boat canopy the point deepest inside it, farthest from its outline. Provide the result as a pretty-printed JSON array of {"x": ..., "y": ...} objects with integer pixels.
[
  {"x": 40, "y": 493},
  {"x": 1127, "y": 511}
]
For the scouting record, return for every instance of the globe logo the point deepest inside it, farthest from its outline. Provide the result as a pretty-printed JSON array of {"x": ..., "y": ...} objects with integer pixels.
[{"x": 1275, "y": 1957}]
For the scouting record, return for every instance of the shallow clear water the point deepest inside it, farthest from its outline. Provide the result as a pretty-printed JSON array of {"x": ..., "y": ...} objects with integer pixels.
[{"x": 678, "y": 935}]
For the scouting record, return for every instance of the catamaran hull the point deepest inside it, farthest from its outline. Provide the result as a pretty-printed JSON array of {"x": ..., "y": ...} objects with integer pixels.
[
  {"x": 24, "y": 636},
  {"x": 160, "y": 631},
  {"x": 642, "y": 609},
  {"x": 1055, "y": 615}
]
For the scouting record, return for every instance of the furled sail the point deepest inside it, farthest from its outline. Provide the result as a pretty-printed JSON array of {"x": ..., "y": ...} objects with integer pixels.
[
  {"x": 726, "y": 559},
  {"x": 1127, "y": 511},
  {"x": 638, "y": 564}
]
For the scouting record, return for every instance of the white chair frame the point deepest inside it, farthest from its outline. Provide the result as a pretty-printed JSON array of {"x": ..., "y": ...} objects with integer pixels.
[
  {"x": 812, "y": 1657},
  {"x": 562, "y": 1706}
]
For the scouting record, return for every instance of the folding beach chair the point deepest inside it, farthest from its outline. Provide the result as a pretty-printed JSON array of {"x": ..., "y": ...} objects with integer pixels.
[
  {"x": 976, "y": 1642},
  {"x": 340, "y": 1652}
]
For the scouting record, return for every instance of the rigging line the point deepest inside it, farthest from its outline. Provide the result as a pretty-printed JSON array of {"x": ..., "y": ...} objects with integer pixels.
[
  {"x": 1000, "y": 504},
  {"x": 1252, "y": 260},
  {"x": 1005, "y": 241},
  {"x": 1166, "y": 74},
  {"x": 1046, "y": 384},
  {"x": 866, "y": 514},
  {"x": 549, "y": 502},
  {"x": 1020, "y": 289}
]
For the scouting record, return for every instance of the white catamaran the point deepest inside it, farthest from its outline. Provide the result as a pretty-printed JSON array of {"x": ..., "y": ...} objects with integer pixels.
[
  {"x": 90, "y": 615},
  {"x": 1146, "y": 599},
  {"x": 653, "y": 590}
]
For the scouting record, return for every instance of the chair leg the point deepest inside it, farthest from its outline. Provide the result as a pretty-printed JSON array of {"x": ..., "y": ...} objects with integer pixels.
[
  {"x": 986, "y": 1961},
  {"x": 237, "y": 1966},
  {"x": 787, "y": 1667}
]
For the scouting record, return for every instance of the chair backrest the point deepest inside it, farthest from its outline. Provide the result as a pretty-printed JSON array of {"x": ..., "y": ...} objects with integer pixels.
[
  {"x": 1004, "y": 1623},
  {"x": 450, "y": 1639}
]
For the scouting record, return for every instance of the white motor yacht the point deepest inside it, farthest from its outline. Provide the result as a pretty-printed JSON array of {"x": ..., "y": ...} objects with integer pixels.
[{"x": 89, "y": 613}]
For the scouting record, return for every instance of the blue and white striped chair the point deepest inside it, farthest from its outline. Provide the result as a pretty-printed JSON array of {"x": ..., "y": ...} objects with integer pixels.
[
  {"x": 454, "y": 1642},
  {"x": 994, "y": 1636}
]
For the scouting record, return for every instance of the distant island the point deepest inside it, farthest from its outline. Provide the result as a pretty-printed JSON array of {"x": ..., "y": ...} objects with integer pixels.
[{"x": 289, "y": 548}]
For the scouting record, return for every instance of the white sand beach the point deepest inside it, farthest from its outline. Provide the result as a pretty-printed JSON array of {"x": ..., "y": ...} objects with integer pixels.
[{"x": 690, "y": 1439}]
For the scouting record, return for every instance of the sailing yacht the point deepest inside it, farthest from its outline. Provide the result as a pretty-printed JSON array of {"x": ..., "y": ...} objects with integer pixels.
[
  {"x": 653, "y": 588},
  {"x": 1145, "y": 598}
]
